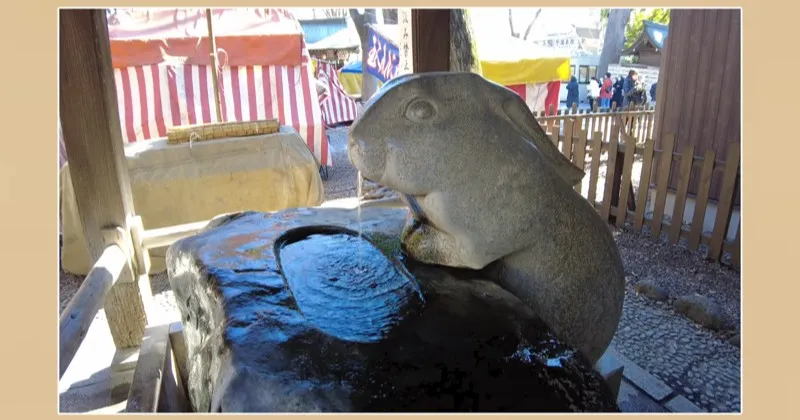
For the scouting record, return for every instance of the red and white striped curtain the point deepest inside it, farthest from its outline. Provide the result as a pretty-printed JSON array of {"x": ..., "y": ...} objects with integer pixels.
[{"x": 337, "y": 106}]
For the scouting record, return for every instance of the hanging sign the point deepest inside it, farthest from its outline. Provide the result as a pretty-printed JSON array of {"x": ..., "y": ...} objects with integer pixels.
[{"x": 383, "y": 56}]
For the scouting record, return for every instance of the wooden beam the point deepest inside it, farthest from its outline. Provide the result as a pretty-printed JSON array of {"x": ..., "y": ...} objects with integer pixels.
[
  {"x": 93, "y": 141},
  {"x": 431, "y": 39},
  {"x": 161, "y": 237},
  {"x": 81, "y": 310},
  {"x": 156, "y": 384},
  {"x": 214, "y": 65}
]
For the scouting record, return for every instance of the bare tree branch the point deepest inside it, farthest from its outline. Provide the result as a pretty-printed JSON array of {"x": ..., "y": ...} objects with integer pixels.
[
  {"x": 530, "y": 25},
  {"x": 335, "y": 13},
  {"x": 511, "y": 25}
]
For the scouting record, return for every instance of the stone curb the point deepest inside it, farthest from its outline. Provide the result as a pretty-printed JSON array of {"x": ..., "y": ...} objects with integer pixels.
[
  {"x": 654, "y": 387},
  {"x": 680, "y": 404}
]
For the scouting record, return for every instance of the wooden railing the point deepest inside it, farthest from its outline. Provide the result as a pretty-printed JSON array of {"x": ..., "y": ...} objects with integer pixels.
[{"x": 81, "y": 310}]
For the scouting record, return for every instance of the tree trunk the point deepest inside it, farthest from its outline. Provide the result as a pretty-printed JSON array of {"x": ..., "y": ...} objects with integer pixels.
[
  {"x": 463, "y": 48},
  {"x": 615, "y": 38},
  {"x": 369, "y": 84},
  {"x": 390, "y": 16}
]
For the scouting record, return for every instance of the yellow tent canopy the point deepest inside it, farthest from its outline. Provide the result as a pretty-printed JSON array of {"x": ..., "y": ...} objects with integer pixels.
[{"x": 506, "y": 73}]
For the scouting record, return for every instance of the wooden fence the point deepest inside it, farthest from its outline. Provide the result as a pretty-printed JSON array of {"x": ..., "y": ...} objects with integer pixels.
[{"x": 620, "y": 140}]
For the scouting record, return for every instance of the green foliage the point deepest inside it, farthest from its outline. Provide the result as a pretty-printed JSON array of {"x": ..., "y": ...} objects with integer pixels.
[{"x": 636, "y": 23}]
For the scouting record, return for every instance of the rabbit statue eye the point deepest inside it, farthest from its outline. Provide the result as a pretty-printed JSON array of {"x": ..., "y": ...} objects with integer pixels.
[{"x": 420, "y": 110}]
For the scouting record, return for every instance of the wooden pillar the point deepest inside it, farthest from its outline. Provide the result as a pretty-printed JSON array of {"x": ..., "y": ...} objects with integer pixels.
[
  {"x": 431, "y": 39},
  {"x": 698, "y": 87},
  {"x": 93, "y": 141}
]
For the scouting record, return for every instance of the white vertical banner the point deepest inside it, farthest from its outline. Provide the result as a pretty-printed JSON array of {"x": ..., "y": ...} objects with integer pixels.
[{"x": 404, "y": 41}]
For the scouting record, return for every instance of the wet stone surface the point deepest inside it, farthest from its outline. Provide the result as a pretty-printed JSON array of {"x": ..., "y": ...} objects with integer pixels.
[{"x": 269, "y": 329}]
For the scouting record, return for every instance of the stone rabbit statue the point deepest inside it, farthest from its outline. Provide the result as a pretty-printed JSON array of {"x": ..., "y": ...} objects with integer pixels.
[{"x": 489, "y": 191}]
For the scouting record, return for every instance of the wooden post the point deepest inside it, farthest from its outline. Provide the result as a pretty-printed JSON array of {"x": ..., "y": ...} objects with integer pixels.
[
  {"x": 93, "y": 140},
  {"x": 214, "y": 65},
  {"x": 431, "y": 39}
]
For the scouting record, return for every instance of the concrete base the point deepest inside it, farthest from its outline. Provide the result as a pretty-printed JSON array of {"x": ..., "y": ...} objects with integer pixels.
[{"x": 183, "y": 183}]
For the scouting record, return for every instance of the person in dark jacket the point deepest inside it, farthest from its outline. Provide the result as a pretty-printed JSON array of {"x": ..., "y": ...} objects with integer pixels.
[
  {"x": 572, "y": 92},
  {"x": 617, "y": 98},
  {"x": 653, "y": 92}
]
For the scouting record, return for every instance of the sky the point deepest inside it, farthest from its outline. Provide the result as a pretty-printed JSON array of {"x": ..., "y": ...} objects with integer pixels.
[
  {"x": 494, "y": 35},
  {"x": 492, "y": 23},
  {"x": 552, "y": 18}
]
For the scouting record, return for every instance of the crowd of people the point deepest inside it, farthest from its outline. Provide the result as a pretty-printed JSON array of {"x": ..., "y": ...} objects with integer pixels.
[{"x": 624, "y": 91}]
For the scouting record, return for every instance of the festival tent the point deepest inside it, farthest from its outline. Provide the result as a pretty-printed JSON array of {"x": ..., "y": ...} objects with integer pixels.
[
  {"x": 164, "y": 77},
  {"x": 337, "y": 106},
  {"x": 350, "y": 78}
]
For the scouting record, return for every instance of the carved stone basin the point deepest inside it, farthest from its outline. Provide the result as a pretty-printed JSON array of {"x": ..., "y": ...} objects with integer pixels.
[{"x": 294, "y": 312}]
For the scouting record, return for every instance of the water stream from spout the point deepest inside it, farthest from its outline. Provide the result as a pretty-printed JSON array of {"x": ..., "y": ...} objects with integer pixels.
[{"x": 359, "y": 187}]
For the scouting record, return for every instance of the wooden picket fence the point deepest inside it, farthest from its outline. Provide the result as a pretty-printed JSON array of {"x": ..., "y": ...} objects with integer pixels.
[
  {"x": 637, "y": 121},
  {"x": 625, "y": 137}
]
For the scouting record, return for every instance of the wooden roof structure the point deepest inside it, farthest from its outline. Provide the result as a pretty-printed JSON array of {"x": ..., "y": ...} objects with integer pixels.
[{"x": 652, "y": 37}]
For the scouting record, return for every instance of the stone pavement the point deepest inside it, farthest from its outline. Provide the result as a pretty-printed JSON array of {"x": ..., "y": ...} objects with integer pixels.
[{"x": 680, "y": 355}]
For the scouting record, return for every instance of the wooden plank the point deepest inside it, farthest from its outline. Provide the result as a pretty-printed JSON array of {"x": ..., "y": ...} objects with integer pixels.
[
  {"x": 611, "y": 163},
  {"x": 674, "y": 84},
  {"x": 173, "y": 397},
  {"x": 680, "y": 196},
  {"x": 554, "y": 135},
  {"x": 594, "y": 166},
  {"x": 737, "y": 247},
  {"x": 644, "y": 184},
  {"x": 627, "y": 169},
  {"x": 723, "y": 217},
  {"x": 161, "y": 237},
  {"x": 154, "y": 371},
  {"x": 580, "y": 155},
  {"x": 178, "y": 344},
  {"x": 700, "y": 97},
  {"x": 569, "y": 129},
  {"x": 726, "y": 115},
  {"x": 78, "y": 315},
  {"x": 661, "y": 187},
  {"x": 701, "y": 199},
  {"x": 93, "y": 141}
]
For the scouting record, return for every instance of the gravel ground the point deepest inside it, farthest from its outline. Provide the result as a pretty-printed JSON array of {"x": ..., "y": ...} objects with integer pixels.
[
  {"x": 341, "y": 182},
  {"x": 695, "y": 362}
]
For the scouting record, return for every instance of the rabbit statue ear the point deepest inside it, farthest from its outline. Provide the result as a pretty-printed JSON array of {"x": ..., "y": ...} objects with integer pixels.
[{"x": 518, "y": 113}]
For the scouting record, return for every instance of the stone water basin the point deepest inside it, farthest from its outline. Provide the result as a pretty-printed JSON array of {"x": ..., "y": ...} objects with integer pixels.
[{"x": 294, "y": 311}]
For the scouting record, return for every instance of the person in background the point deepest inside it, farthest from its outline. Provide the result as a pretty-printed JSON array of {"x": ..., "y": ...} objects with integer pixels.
[
  {"x": 627, "y": 87},
  {"x": 594, "y": 92},
  {"x": 653, "y": 92},
  {"x": 617, "y": 97},
  {"x": 572, "y": 92},
  {"x": 606, "y": 91}
]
